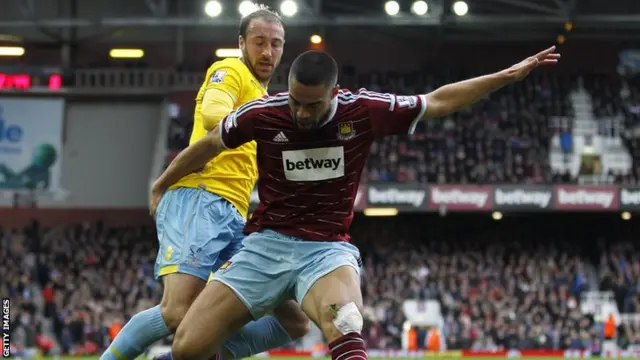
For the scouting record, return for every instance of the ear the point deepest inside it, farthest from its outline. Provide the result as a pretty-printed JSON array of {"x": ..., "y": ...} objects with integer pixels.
[
  {"x": 334, "y": 91},
  {"x": 241, "y": 42}
]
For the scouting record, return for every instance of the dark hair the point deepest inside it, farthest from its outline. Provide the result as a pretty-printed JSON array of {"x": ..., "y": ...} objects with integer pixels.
[
  {"x": 314, "y": 68},
  {"x": 263, "y": 12}
]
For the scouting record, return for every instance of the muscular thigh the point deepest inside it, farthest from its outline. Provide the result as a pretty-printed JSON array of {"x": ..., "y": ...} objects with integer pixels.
[
  {"x": 214, "y": 315},
  {"x": 180, "y": 290}
]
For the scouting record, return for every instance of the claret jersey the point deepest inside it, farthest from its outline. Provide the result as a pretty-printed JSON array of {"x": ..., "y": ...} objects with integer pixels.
[{"x": 309, "y": 179}]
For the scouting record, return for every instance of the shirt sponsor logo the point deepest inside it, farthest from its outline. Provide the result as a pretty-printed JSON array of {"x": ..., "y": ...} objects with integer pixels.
[
  {"x": 523, "y": 198},
  {"x": 395, "y": 196},
  {"x": 313, "y": 164}
]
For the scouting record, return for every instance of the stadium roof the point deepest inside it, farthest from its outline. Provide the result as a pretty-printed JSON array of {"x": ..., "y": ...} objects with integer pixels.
[{"x": 492, "y": 19}]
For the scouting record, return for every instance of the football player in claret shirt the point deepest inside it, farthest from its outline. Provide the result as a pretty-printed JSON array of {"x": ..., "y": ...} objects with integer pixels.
[
  {"x": 201, "y": 217},
  {"x": 312, "y": 145}
]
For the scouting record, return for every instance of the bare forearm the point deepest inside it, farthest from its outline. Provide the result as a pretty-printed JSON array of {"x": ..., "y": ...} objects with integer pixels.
[
  {"x": 453, "y": 97},
  {"x": 191, "y": 159}
]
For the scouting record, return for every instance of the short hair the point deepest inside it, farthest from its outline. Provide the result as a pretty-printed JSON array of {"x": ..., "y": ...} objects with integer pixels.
[
  {"x": 262, "y": 12},
  {"x": 314, "y": 68}
]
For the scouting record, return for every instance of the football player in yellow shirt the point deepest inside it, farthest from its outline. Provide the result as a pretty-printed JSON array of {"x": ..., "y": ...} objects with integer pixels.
[{"x": 201, "y": 218}]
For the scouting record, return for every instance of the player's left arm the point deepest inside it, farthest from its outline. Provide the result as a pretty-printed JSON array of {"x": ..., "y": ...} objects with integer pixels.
[
  {"x": 235, "y": 130},
  {"x": 392, "y": 114},
  {"x": 453, "y": 97}
]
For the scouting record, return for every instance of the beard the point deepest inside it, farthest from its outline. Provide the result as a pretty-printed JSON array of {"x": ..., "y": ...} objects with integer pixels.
[{"x": 249, "y": 62}]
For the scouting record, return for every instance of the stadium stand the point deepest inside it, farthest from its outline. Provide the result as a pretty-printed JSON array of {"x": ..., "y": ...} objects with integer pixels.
[{"x": 506, "y": 286}]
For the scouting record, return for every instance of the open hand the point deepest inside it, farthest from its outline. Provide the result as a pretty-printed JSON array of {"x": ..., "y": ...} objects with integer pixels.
[{"x": 520, "y": 70}]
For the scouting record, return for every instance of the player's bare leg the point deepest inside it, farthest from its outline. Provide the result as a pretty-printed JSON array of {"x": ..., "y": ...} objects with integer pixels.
[
  {"x": 213, "y": 316},
  {"x": 180, "y": 290},
  {"x": 292, "y": 318},
  {"x": 334, "y": 303}
]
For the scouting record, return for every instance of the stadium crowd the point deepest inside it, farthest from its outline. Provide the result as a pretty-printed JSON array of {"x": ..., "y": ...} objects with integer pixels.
[
  {"x": 500, "y": 287},
  {"x": 77, "y": 284},
  {"x": 616, "y": 99},
  {"x": 505, "y": 286}
]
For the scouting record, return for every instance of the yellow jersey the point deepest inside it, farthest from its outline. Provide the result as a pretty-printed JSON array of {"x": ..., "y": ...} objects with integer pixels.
[{"x": 232, "y": 175}]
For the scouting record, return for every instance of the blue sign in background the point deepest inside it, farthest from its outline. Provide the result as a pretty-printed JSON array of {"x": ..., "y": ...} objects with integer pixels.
[{"x": 30, "y": 143}]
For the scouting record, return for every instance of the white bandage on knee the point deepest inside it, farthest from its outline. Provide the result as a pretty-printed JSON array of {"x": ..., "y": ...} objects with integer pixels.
[{"x": 349, "y": 319}]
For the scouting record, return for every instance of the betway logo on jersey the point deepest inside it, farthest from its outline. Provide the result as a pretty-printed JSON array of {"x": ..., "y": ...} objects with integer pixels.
[
  {"x": 460, "y": 197},
  {"x": 396, "y": 196},
  {"x": 587, "y": 197},
  {"x": 630, "y": 198},
  {"x": 522, "y": 197},
  {"x": 313, "y": 164}
]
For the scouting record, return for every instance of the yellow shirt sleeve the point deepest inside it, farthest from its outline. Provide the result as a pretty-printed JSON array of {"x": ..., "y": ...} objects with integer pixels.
[
  {"x": 227, "y": 79},
  {"x": 223, "y": 89},
  {"x": 216, "y": 104}
]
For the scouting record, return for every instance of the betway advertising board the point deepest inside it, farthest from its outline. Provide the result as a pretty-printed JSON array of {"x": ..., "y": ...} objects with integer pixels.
[
  {"x": 400, "y": 196},
  {"x": 470, "y": 198},
  {"x": 530, "y": 198}
]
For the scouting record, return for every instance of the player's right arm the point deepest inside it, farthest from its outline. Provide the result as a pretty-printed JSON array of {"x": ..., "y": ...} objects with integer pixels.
[
  {"x": 220, "y": 95},
  {"x": 235, "y": 130},
  {"x": 189, "y": 160}
]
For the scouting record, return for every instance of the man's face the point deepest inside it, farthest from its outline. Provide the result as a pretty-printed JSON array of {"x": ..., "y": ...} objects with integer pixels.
[
  {"x": 310, "y": 105},
  {"x": 262, "y": 47}
]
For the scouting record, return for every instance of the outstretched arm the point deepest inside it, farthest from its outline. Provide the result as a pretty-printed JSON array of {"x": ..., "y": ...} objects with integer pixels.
[
  {"x": 453, "y": 97},
  {"x": 393, "y": 114}
]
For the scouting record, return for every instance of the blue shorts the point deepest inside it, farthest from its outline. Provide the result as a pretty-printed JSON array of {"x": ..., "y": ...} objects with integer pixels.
[
  {"x": 272, "y": 267},
  {"x": 197, "y": 232}
]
